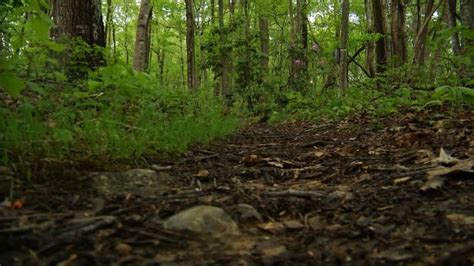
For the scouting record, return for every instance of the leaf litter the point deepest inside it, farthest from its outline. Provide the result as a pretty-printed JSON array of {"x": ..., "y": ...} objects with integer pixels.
[{"x": 355, "y": 192}]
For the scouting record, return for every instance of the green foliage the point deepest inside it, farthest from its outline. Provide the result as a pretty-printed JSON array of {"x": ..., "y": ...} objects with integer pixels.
[{"x": 120, "y": 114}]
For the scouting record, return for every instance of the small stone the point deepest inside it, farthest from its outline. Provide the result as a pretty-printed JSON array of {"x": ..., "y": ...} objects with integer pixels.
[{"x": 210, "y": 220}]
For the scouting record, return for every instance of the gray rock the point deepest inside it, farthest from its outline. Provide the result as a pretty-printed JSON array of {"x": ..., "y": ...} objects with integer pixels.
[
  {"x": 203, "y": 219},
  {"x": 144, "y": 182},
  {"x": 244, "y": 213}
]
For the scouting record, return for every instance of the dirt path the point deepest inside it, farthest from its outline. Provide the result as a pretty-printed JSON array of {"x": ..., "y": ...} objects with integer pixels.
[{"x": 357, "y": 192}]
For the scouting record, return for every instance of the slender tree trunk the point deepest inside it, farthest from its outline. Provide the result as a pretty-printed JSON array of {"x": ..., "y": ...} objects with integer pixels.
[
  {"x": 225, "y": 89},
  {"x": 419, "y": 49},
  {"x": 191, "y": 60},
  {"x": 467, "y": 19},
  {"x": 141, "y": 56},
  {"x": 399, "y": 46},
  {"x": 108, "y": 23},
  {"x": 264, "y": 42},
  {"x": 370, "y": 46},
  {"x": 380, "y": 52},
  {"x": 455, "y": 43},
  {"x": 344, "y": 40}
]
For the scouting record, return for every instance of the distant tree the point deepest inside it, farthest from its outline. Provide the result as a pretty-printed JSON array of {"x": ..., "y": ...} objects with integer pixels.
[
  {"x": 191, "y": 57},
  {"x": 343, "y": 45}
]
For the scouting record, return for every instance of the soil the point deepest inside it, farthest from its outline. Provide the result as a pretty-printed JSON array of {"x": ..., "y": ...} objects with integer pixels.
[{"x": 363, "y": 191}]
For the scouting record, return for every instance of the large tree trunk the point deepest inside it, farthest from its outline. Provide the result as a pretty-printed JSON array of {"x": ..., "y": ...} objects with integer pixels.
[
  {"x": 141, "y": 56},
  {"x": 399, "y": 38},
  {"x": 79, "y": 19},
  {"x": 191, "y": 60},
  {"x": 343, "y": 45},
  {"x": 380, "y": 52}
]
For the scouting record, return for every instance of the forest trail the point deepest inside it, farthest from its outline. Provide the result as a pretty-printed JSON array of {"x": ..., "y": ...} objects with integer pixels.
[{"x": 394, "y": 191}]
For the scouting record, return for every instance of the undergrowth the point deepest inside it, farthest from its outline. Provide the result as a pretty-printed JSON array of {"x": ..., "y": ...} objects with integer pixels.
[
  {"x": 116, "y": 114},
  {"x": 357, "y": 101}
]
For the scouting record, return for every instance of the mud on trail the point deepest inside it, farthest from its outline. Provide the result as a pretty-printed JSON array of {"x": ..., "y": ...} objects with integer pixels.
[{"x": 395, "y": 191}]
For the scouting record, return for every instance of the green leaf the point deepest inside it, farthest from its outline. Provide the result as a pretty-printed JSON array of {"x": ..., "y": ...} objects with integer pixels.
[
  {"x": 11, "y": 84},
  {"x": 93, "y": 85}
]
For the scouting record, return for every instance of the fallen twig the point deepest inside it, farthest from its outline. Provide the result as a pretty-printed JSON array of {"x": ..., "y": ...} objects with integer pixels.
[{"x": 294, "y": 193}]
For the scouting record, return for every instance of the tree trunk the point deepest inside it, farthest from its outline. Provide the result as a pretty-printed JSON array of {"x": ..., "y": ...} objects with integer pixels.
[
  {"x": 455, "y": 44},
  {"x": 143, "y": 37},
  {"x": 343, "y": 45},
  {"x": 467, "y": 19},
  {"x": 264, "y": 42},
  {"x": 108, "y": 23},
  {"x": 225, "y": 89},
  {"x": 399, "y": 45},
  {"x": 370, "y": 46},
  {"x": 380, "y": 52},
  {"x": 191, "y": 60},
  {"x": 79, "y": 19},
  {"x": 419, "y": 49}
]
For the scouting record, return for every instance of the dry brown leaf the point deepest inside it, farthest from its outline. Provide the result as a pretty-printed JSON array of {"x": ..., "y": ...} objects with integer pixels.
[
  {"x": 123, "y": 249},
  {"x": 433, "y": 183},
  {"x": 460, "y": 218},
  {"x": 202, "y": 173},
  {"x": 276, "y": 164},
  {"x": 445, "y": 158},
  {"x": 272, "y": 227},
  {"x": 293, "y": 225},
  {"x": 401, "y": 180}
]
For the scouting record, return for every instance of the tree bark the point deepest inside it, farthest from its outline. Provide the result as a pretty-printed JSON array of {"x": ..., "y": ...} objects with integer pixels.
[
  {"x": 225, "y": 89},
  {"x": 264, "y": 42},
  {"x": 191, "y": 57},
  {"x": 380, "y": 52},
  {"x": 399, "y": 38},
  {"x": 141, "y": 54},
  {"x": 370, "y": 46},
  {"x": 79, "y": 19},
  {"x": 455, "y": 43},
  {"x": 343, "y": 45},
  {"x": 467, "y": 19},
  {"x": 419, "y": 49}
]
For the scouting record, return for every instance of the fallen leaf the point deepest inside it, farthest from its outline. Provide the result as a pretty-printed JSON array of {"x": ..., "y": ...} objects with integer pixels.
[
  {"x": 123, "y": 249},
  {"x": 276, "y": 164},
  {"x": 293, "y": 225},
  {"x": 394, "y": 255},
  {"x": 271, "y": 249},
  {"x": 445, "y": 158},
  {"x": 460, "y": 218},
  {"x": 69, "y": 261},
  {"x": 401, "y": 180},
  {"x": 272, "y": 227},
  {"x": 202, "y": 173},
  {"x": 17, "y": 204},
  {"x": 251, "y": 159},
  {"x": 433, "y": 183},
  {"x": 163, "y": 258}
]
